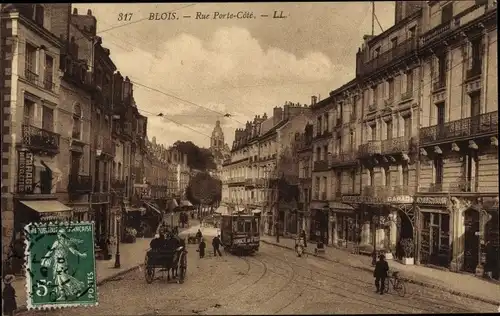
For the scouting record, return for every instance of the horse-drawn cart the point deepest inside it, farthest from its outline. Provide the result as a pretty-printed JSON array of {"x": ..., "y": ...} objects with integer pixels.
[{"x": 166, "y": 261}]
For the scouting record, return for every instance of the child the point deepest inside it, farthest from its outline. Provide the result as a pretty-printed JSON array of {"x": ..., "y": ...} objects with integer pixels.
[{"x": 9, "y": 296}]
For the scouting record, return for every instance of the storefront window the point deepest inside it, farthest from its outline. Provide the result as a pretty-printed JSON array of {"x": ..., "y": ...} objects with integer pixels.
[{"x": 435, "y": 239}]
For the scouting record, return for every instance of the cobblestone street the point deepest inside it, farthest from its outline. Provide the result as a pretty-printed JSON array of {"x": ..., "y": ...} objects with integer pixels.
[{"x": 274, "y": 281}]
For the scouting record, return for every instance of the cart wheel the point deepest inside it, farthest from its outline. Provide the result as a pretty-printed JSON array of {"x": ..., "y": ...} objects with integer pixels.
[
  {"x": 400, "y": 288},
  {"x": 149, "y": 274}
]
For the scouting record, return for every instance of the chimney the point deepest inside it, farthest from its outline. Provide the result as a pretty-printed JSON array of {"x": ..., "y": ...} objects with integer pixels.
[
  {"x": 314, "y": 99},
  {"x": 277, "y": 115},
  {"x": 75, "y": 11},
  {"x": 89, "y": 12},
  {"x": 286, "y": 111},
  {"x": 264, "y": 116}
]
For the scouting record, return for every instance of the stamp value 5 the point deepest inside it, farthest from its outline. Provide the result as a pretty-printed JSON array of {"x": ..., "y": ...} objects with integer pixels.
[{"x": 60, "y": 265}]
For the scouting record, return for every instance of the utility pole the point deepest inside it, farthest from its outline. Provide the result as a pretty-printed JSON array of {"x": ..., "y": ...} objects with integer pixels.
[{"x": 373, "y": 18}]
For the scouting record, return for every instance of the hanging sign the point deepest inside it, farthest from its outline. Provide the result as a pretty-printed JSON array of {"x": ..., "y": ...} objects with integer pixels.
[{"x": 25, "y": 173}]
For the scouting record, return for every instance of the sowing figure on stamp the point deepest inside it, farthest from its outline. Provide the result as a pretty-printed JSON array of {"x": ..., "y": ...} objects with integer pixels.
[{"x": 57, "y": 259}]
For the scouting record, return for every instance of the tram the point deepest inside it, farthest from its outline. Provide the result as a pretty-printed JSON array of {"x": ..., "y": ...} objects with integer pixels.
[{"x": 240, "y": 232}]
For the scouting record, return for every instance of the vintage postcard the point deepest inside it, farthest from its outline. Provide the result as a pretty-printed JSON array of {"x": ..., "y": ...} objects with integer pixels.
[{"x": 250, "y": 158}]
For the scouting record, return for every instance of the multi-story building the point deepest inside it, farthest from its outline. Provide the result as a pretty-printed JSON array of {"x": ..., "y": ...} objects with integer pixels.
[
  {"x": 33, "y": 36},
  {"x": 322, "y": 112},
  {"x": 76, "y": 108},
  {"x": 344, "y": 221},
  {"x": 458, "y": 171},
  {"x": 172, "y": 183},
  {"x": 104, "y": 149},
  {"x": 388, "y": 76},
  {"x": 303, "y": 151}
]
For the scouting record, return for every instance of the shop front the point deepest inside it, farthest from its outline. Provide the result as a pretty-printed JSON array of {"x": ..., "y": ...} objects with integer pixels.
[
  {"x": 318, "y": 230},
  {"x": 434, "y": 235},
  {"x": 345, "y": 228}
]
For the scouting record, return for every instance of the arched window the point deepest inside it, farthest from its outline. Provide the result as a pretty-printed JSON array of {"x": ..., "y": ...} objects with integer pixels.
[{"x": 77, "y": 121}]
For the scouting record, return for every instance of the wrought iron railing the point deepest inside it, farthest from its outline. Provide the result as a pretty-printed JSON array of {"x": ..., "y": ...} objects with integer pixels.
[
  {"x": 372, "y": 147},
  {"x": 106, "y": 145},
  {"x": 321, "y": 165},
  {"x": 79, "y": 184},
  {"x": 49, "y": 84},
  {"x": 117, "y": 184},
  {"x": 372, "y": 107},
  {"x": 438, "y": 85},
  {"x": 395, "y": 145},
  {"x": 31, "y": 76},
  {"x": 486, "y": 123},
  {"x": 401, "y": 50},
  {"x": 436, "y": 32},
  {"x": 39, "y": 138},
  {"x": 475, "y": 71}
]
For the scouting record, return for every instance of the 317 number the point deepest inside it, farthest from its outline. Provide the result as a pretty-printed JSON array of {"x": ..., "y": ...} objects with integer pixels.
[{"x": 125, "y": 16}]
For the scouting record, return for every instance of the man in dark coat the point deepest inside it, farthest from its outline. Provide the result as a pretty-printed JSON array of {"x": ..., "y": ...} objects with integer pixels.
[
  {"x": 201, "y": 248},
  {"x": 380, "y": 274},
  {"x": 158, "y": 242},
  {"x": 303, "y": 236},
  {"x": 9, "y": 296},
  {"x": 216, "y": 244},
  {"x": 199, "y": 235}
]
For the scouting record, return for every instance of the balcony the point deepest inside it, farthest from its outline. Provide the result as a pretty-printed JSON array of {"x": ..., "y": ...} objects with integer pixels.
[
  {"x": 249, "y": 182},
  {"x": 40, "y": 139},
  {"x": 436, "y": 32},
  {"x": 372, "y": 147},
  {"x": 454, "y": 187},
  {"x": 106, "y": 145},
  {"x": 372, "y": 107},
  {"x": 477, "y": 126},
  {"x": 118, "y": 185},
  {"x": 438, "y": 85},
  {"x": 403, "y": 49},
  {"x": 321, "y": 165},
  {"x": 79, "y": 184},
  {"x": 395, "y": 146},
  {"x": 31, "y": 76},
  {"x": 48, "y": 84},
  {"x": 474, "y": 72},
  {"x": 324, "y": 134},
  {"x": 344, "y": 159}
]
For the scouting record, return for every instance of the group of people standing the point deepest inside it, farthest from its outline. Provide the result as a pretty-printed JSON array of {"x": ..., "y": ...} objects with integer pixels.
[{"x": 216, "y": 243}]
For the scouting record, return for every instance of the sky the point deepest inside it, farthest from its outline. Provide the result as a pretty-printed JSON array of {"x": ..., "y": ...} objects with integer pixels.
[{"x": 194, "y": 71}]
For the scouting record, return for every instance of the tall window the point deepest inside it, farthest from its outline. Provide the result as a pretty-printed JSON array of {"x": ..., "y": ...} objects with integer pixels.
[
  {"x": 48, "y": 72},
  {"x": 375, "y": 94},
  {"x": 447, "y": 13},
  {"x": 476, "y": 56},
  {"x": 412, "y": 32},
  {"x": 409, "y": 82},
  {"x": 352, "y": 141},
  {"x": 390, "y": 82},
  {"x": 371, "y": 175},
  {"x": 442, "y": 59},
  {"x": 394, "y": 42},
  {"x": 320, "y": 126},
  {"x": 326, "y": 123},
  {"x": 39, "y": 14},
  {"x": 389, "y": 129},
  {"x": 30, "y": 63},
  {"x": 48, "y": 119},
  {"x": 387, "y": 173},
  {"x": 325, "y": 152},
  {"x": 374, "y": 132},
  {"x": 28, "y": 112},
  {"x": 407, "y": 127},
  {"x": 440, "y": 108},
  {"x": 405, "y": 175},
  {"x": 77, "y": 122},
  {"x": 338, "y": 184},
  {"x": 438, "y": 169},
  {"x": 354, "y": 107},
  {"x": 376, "y": 52},
  {"x": 353, "y": 181},
  {"x": 318, "y": 153}
]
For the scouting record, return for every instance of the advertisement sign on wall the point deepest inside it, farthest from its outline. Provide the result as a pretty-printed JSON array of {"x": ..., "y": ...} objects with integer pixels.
[{"x": 25, "y": 173}]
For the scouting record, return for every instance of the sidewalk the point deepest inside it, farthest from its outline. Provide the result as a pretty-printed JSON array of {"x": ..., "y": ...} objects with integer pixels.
[
  {"x": 459, "y": 284},
  {"x": 131, "y": 257}
]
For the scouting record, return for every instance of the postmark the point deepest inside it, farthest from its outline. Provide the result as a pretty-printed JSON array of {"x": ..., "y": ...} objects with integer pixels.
[{"x": 60, "y": 265}]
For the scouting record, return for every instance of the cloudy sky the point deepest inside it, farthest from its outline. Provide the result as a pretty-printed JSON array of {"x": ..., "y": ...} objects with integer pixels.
[{"x": 194, "y": 71}]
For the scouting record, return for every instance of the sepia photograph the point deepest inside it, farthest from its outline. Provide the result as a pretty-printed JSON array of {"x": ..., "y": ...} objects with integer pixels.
[{"x": 249, "y": 158}]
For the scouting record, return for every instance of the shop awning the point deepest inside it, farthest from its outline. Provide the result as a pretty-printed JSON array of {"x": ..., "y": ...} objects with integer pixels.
[
  {"x": 49, "y": 209},
  {"x": 135, "y": 209},
  {"x": 173, "y": 203},
  {"x": 222, "y": 210},
  {"x": 256, "y": 211},
  {"x": 186, "y": 203},
  {"x": 340, "y": 206},
  {"x": 154, "y": 207}
]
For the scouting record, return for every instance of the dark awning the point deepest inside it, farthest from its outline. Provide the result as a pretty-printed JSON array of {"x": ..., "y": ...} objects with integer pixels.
[
  {"x": 186, "y": 203},
  {"x": 154, "y": 207}
]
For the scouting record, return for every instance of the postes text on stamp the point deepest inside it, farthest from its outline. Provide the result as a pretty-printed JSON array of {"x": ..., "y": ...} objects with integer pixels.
[{"x": 60, "y": 265}]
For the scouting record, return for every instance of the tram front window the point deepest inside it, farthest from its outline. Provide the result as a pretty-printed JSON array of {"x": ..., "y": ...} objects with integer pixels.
[
  {"x": 240, "y": 226},
  {"x": 255, "y": 227}
]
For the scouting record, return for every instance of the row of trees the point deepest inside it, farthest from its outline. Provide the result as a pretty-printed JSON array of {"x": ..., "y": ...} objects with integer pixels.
[{"x": 197, "y": 157}]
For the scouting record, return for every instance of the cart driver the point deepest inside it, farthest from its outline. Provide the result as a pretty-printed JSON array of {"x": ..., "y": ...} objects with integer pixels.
[{"x": 158, "y": 242}]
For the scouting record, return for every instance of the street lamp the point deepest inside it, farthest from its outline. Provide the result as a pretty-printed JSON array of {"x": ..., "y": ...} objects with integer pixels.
[{"x": 118, "y": 228}]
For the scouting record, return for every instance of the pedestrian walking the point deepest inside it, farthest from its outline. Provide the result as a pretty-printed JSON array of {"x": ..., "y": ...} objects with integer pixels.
[
  {"x": 216, "y": 244},
  {"x": 9, "y": 296},
  {"x": 380, "y": 274},
  {"x": 199, "y": 235},
  {"x": 201, "y": 248}
]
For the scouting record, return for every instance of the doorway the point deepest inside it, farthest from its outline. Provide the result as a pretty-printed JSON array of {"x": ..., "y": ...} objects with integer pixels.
[{"x": 471, "y": 240}]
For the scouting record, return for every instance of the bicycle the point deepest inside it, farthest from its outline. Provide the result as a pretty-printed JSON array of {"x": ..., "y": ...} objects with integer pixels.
[{"x": 397, "y": 283}]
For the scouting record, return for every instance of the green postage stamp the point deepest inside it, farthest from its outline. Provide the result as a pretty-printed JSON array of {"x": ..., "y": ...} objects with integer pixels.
[{"x": 60, "y": 265}]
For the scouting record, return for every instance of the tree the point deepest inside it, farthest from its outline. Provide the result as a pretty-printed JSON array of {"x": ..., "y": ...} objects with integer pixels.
[
  {"x": 203, "y": 189},
  {"x": 197, "y": 158}
]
